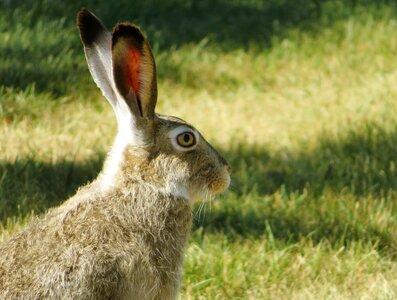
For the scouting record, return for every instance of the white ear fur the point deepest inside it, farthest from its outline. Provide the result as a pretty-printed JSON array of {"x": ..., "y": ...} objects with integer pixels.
[
  {"x": 97, "y": 43},
  {"x": 99, "y": 59}
]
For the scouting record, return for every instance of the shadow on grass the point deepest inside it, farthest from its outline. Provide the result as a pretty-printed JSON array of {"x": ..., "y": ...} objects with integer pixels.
[
  {"x": 363, "y": 162},
  {"x": 28, "y": 185},
  {"x": 177, "y": 22},
  {"x": 41, "y": 46}
]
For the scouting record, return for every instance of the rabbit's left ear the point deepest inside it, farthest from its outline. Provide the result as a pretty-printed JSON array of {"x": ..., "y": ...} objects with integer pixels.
[
  {"x": 134, "y": 70},
  {"x": 97, "y": 47}
]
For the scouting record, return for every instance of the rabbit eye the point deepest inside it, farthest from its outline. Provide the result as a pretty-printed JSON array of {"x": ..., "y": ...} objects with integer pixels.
[{"x": 186, "y": 139}]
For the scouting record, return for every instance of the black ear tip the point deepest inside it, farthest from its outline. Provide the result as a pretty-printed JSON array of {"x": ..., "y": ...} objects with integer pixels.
[
  {"x": 82, "y": 16},
  {"x": 89, "y": 25},
  {"x": 83, "y": 10},
  {"x": 128, "y": 31}
]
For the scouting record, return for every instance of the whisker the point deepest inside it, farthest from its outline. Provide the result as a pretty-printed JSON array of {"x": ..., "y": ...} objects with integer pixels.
[{"x": 200, "y": 210}]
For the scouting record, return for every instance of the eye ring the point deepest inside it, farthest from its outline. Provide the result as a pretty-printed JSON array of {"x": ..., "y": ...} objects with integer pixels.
[
  {"x": 186, "y": 139},
  {"x": 178, "y": 133}
]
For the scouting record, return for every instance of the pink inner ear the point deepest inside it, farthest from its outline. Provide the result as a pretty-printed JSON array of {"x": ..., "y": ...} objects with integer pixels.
[{"x": 131, "y": 72}]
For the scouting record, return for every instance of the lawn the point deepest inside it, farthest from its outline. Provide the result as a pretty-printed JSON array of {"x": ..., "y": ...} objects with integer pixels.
[{"x": 299, "y": 96}]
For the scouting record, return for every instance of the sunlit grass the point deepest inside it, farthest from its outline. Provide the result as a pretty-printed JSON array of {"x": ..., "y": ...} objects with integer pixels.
[{"x": 308, "y": 124}]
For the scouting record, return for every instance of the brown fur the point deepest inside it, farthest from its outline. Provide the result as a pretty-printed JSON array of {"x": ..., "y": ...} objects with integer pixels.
[
  {"x": 122, "y": 236},
  {"x": 125, "y": 244}
]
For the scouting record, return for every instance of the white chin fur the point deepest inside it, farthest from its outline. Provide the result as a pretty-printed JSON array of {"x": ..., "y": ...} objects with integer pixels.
[
  {"x": 180, "y": 190},
  {"x": 177, "y": 190}
]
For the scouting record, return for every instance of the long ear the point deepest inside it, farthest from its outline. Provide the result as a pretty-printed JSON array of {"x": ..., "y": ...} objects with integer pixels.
[
  {"x": 97, "y": 43},
  {"x": 134, "y": 70}
]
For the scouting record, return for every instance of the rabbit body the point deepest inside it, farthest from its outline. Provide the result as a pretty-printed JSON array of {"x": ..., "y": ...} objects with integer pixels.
[
  {"x": 113, "y": 245},
  {"x": 123, "y": 235}
]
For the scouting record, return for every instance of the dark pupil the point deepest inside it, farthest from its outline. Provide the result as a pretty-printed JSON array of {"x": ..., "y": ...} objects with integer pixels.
[{"x": 186, "y": 138}]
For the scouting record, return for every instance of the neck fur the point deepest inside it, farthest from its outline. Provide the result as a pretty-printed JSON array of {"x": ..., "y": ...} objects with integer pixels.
[
  {"x": 112, "y": 166},
  {"x": 111, "y": 173}
]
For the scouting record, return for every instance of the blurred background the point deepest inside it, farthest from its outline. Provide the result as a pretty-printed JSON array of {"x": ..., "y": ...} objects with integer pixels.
[{"x": 299, "y": 96}]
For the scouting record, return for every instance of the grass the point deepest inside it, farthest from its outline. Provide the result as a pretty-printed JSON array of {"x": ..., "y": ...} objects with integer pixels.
[{"x": 298, "y": 95}]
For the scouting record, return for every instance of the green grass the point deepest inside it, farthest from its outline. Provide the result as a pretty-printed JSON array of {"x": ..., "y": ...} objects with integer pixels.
[{"x": 300, "y": 97}]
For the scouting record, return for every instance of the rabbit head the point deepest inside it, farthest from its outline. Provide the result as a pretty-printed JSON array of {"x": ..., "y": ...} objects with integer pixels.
[{"x": 150, "y": 149}]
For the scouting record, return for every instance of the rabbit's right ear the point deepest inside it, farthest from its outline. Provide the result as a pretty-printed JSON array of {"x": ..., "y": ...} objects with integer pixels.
[{"x": 134, "y": 71}]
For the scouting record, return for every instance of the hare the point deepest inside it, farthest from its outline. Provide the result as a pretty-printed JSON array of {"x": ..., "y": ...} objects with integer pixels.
[{"x": 123, "y": 235}]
